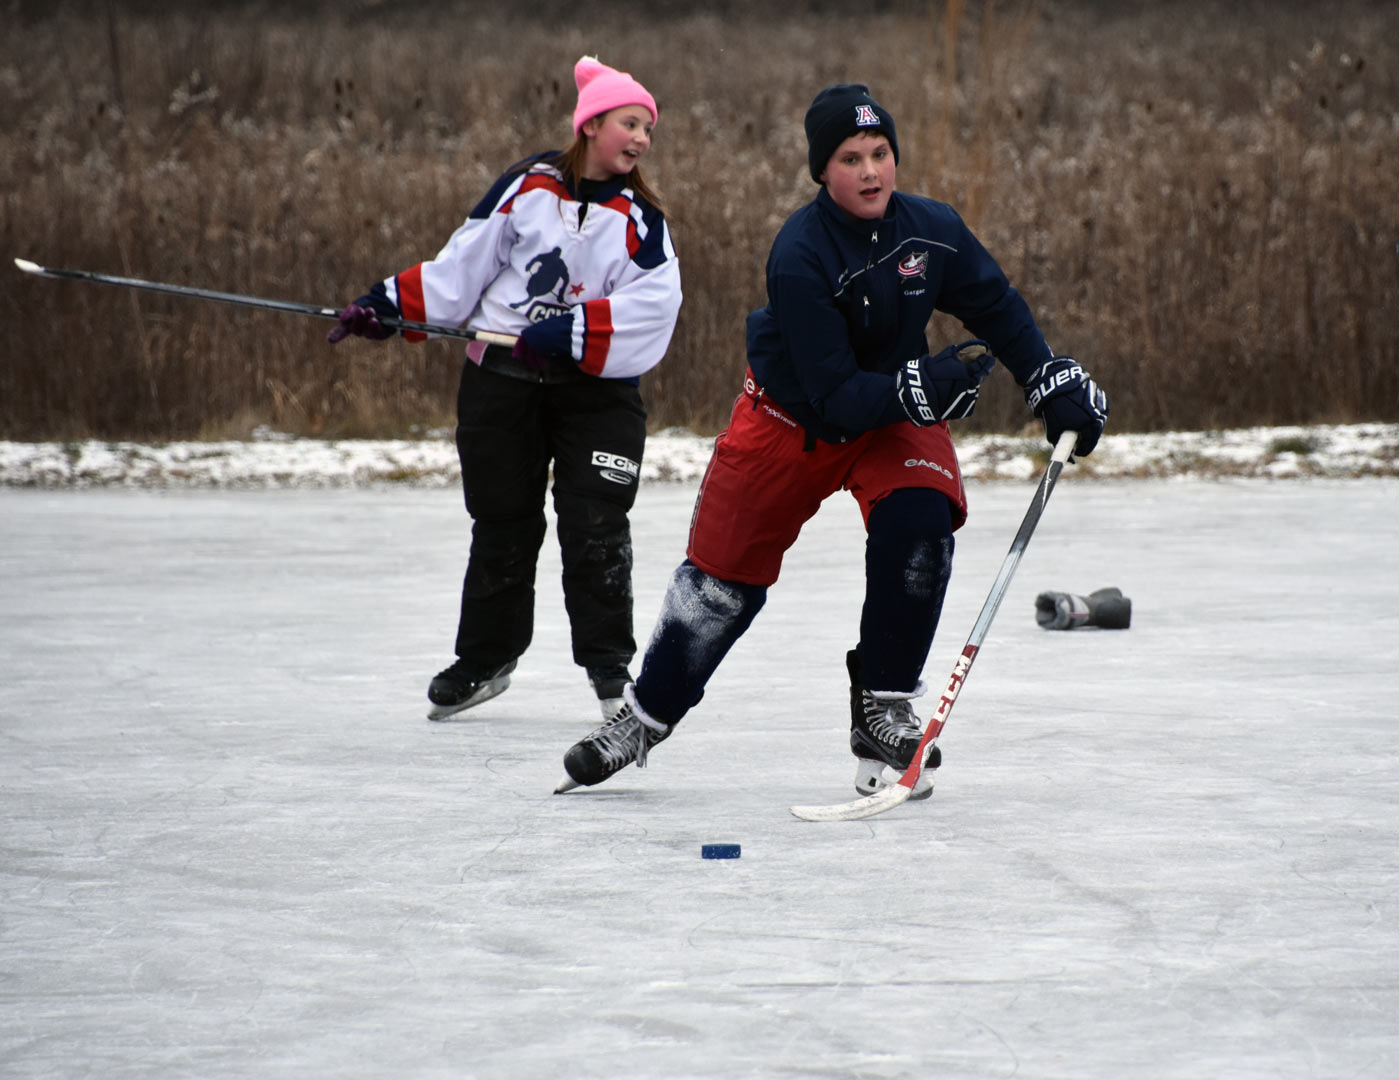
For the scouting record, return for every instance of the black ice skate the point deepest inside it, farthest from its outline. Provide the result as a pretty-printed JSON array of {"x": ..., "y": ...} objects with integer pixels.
[
  {"x": 623, "y": 739},
  {"x": 463, "y": 685},
  {"x": 608, "y": 683},
  {"x": 884, "y": 735}
]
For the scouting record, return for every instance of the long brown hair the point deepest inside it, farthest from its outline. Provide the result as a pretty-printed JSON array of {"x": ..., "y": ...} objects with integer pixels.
[{"x": 571, "y": 162}]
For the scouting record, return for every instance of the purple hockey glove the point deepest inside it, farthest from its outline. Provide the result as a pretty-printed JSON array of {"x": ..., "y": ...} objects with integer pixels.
[
  {"x": 524, "y": 352},
  {"x": 1066, "y": 398},
  {"x": 362, "y": 320},
  {"x": 932, "y": 389}
]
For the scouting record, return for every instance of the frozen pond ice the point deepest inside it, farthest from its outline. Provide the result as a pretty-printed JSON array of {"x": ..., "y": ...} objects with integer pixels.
[{"x": 234, "y": 847}]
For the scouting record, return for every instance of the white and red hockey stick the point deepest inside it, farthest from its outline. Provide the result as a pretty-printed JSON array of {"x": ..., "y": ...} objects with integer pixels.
[
  {"x": 891, "y": 796},
  {"x": 294, "y": 308}
]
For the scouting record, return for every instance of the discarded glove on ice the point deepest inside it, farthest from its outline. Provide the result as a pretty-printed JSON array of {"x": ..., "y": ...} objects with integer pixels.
[{"x": 1106, "y": 608}]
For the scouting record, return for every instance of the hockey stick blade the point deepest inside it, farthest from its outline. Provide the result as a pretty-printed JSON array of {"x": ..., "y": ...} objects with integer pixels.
[
  {"x": 899, "y": 793},
  {"x": 867, "y": 806},
  {"x": 317, "y": 311}
]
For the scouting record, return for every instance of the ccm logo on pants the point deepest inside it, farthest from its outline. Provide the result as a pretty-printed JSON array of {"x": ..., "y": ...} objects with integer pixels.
[{"x": 616, "y": 468}]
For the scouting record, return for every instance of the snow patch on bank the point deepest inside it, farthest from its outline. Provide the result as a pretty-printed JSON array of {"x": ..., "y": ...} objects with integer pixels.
[{"x": 274, "y": 460}]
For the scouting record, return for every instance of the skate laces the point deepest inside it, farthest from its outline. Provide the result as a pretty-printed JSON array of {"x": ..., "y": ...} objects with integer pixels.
[
  {"x": 890, "y": 716},
  {"x": 894, "y": 722},
  {"x": 644, "y": 724},
  {"x": 623, "y": 739},
  {"x": 613, "y": 741}
]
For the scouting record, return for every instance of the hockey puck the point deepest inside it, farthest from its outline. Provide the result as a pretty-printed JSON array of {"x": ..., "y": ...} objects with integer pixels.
[{"x": 720, "y": 851}]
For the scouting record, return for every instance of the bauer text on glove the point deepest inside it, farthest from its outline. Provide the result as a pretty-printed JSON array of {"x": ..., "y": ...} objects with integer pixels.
[
  {"x": 932, "y": 389},
  {"x": 1066, "y": 398}
]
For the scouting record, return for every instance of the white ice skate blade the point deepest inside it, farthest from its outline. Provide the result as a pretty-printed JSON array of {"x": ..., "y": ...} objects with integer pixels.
[
  {"x": 872, "y": 777},
  {"x": 566, "y": 784},
  {"x": 922, "y": 788},
  {"x": 488, "y": 690}
]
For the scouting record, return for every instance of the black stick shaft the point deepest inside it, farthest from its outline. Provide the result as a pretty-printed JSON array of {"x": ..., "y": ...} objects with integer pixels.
[
  {"x": 1061, "y": 453},
  {"x": 314, "y": 310}
]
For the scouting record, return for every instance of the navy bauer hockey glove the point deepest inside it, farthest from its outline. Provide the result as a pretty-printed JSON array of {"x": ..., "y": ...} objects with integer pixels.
[
  {"x": 932, "y": 389},
  {"x": 1066, "y": 398}
]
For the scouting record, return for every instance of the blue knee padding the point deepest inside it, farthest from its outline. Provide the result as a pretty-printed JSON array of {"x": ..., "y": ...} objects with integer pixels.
[{"x": 908, "y": 562}]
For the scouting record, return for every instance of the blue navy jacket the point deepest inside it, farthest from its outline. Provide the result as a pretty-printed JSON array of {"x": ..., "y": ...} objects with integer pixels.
[{"x": 849, "y": 303}]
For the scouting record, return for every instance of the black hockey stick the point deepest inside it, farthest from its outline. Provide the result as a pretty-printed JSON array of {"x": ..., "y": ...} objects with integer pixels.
[
  {"x": 259, "y": 302},
  {"x": 889, "y": 797}
]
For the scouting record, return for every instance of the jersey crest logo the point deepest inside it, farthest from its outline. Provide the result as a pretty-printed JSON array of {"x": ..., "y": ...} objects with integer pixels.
[
  {"x": 914, "y": 264},
  {"x": 548, "y": 276},
  {"x": 865, "y": 117}
]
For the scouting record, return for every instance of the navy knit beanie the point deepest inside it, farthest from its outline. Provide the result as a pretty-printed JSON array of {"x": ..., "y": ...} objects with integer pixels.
[{"x": 839, "y": 112}]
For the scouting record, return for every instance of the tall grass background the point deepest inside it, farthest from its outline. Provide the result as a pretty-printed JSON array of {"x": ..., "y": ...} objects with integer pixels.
[{"x": 1198, "y": 199}]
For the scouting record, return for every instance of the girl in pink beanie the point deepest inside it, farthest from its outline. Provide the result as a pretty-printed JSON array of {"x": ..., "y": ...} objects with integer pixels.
[
  {"x": 569, "y": 252},
  {"x": 612, "y": 125},
  {"x": 601, "y": 88}
]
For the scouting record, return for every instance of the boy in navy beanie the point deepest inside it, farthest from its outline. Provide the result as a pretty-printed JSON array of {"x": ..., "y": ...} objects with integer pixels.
[
  {"x": 843, "y": 393},
  {"x": 839, "y": 112}
]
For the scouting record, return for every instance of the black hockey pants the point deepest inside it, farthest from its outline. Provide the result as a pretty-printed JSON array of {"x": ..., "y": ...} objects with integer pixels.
[{"x": 509, "y": 431}]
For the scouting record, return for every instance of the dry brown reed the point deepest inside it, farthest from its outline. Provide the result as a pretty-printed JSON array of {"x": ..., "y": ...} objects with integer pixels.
[{"x": 1197, "y": 198}]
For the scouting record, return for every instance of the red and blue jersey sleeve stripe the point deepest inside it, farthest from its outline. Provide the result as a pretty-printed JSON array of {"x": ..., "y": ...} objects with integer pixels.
[
  {"x": 410, "y": 300},
  {"x": 623, "y": 206},
  {"x": 597, "y": 334}
]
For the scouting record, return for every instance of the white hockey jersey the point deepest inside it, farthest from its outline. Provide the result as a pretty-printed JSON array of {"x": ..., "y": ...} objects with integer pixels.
[{"x": 602, "y": 270}]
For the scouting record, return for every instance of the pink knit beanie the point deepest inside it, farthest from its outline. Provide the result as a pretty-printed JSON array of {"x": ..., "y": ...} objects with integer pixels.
[{"x": 601, "y": 88}]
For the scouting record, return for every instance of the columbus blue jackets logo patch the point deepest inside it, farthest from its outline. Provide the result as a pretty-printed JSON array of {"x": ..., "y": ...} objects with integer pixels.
[
  {"x": 914, "y": 264},
  {"x": 865, "y": 117}
]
